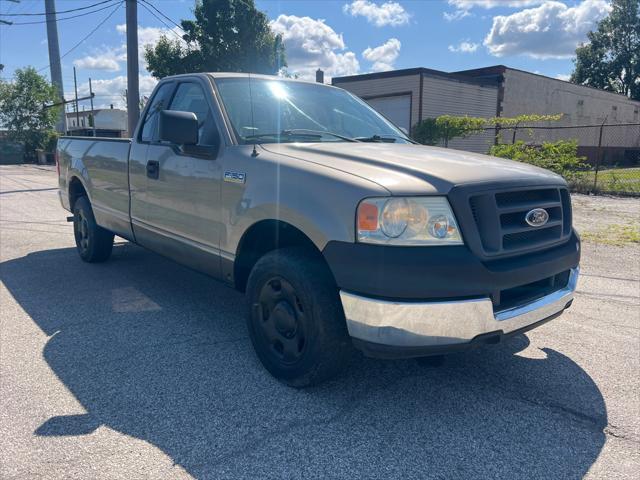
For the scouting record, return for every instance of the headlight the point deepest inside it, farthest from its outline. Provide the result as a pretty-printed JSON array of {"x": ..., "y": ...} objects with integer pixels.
[{"x": 407, "y": 221}]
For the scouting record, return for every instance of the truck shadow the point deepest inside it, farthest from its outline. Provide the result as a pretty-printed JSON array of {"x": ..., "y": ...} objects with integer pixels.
[{"x": 161, "y": 353}]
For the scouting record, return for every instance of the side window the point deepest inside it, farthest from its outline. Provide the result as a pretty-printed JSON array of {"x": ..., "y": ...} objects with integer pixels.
[
  {"x": 158, "y": 103},
  {"x": 190, "y": 97}
]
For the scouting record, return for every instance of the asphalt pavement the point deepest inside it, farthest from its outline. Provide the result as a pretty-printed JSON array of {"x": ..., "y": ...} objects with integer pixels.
[{"x": 141, "y": 368}]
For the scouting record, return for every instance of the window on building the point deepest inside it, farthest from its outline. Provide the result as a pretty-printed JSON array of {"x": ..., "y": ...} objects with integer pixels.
[{"x": 614, "y": 112}]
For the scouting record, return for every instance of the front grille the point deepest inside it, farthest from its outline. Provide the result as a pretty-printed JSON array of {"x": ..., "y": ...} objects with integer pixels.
[{"x": 500, "y": 219}]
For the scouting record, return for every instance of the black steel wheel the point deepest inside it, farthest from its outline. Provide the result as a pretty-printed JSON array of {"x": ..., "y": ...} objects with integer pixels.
[
  {"x": 296, "y": 322},
  {"x": 93, "y": 242},
  {"x": 281, "y": 318}
]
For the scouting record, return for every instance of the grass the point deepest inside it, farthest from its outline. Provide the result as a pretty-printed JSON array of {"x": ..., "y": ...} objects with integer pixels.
[
  {"x": 616, "y": 234},
  {"x": 613, "y": 180}
]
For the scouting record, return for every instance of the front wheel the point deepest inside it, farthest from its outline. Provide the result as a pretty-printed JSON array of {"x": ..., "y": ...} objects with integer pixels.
[
  {"x": 296, "y": 322},
  {"x": 93, "y": 242}
]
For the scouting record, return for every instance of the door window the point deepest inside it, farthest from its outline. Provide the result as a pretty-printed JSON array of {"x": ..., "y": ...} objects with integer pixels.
[
  {"x": 159, "y": 102},
  {"x": 190, "y": 97}
]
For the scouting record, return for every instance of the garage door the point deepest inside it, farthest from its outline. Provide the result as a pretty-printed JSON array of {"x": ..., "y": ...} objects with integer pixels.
[{"x": 396, "y": 108}]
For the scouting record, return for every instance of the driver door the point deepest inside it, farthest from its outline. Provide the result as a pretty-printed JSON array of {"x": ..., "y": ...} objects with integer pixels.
[{"x": 182, "y": 198}]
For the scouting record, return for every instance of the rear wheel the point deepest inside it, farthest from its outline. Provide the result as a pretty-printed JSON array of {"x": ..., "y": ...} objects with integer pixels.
[
  {"x": 296, "y": 322},
  {"x": 93, "y": 242}
]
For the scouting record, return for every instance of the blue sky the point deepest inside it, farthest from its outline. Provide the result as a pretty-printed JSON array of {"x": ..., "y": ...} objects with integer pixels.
[{"x": 342, "y": 37}]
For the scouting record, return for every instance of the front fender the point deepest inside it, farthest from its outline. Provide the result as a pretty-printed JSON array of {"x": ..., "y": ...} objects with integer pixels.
[{"x": 319, "y": 201}]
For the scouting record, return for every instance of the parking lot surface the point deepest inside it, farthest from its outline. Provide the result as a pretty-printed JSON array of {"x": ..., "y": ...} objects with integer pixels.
[{"x": 141, "y": 368}]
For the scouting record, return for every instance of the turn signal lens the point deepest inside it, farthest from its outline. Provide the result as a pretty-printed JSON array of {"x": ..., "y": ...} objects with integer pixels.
[{"x": 367, "y": 217}]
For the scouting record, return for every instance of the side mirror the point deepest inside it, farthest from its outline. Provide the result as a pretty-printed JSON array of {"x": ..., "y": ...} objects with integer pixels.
[{"x": 180, "y": 128}]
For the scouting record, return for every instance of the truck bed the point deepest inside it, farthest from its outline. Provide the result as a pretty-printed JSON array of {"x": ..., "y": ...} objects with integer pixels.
[{"x": 108, "y": 182}]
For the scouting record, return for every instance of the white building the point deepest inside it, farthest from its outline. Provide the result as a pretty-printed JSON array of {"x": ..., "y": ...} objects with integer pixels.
[{"x": 108, "y": 122}]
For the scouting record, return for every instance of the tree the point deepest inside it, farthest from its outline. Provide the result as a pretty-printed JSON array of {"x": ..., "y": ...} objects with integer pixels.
[
  {"x": 22, "y": 112},
  {"x": 226, "y": 35},
  {"x": 611, "y": 59}
]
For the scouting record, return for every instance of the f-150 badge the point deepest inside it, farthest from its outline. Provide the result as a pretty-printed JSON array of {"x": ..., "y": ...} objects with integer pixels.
[{"x": 235, "y": 177}]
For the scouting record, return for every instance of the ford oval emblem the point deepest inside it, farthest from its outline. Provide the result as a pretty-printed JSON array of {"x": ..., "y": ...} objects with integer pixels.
[{"x": 537, "y": 217}]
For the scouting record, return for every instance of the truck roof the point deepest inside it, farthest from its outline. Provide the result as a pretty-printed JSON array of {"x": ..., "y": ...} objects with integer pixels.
[{"x": 242, "y": 75}]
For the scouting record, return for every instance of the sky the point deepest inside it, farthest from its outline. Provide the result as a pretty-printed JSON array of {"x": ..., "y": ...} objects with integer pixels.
[{"x": 342, "y": 37}]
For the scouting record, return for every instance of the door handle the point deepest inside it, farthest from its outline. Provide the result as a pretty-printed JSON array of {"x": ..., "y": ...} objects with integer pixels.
[{"x": 153, "y": 169}]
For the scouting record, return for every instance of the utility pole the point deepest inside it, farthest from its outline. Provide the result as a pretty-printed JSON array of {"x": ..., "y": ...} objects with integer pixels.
[
  {"x": 133, "y": 93},
  {"x": 54, "y": 58},
  {"x": 93, "y": 113},
  {"x": 75, "y": 85}
]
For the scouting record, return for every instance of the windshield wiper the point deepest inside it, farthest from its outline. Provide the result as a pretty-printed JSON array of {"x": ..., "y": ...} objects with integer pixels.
[
  {"x": 299, "y": 132},
  {"x": 385, "y": 138},
  {"x": 319, "y": 133}
]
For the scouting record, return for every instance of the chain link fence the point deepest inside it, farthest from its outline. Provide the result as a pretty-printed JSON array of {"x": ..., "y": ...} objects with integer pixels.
[{"x": 610, "y": 153}]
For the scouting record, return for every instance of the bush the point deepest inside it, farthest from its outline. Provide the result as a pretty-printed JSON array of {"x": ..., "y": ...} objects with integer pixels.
[
  {"x": 432, "y": 131},
  {"x": 560, "y": 157}
]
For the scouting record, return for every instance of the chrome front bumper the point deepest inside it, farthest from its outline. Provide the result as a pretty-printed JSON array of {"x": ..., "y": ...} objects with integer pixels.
[{"x": 439, "y": 324}]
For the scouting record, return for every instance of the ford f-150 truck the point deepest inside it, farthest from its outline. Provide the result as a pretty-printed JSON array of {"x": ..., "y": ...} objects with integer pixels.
[{"x": 340, "y": 229}]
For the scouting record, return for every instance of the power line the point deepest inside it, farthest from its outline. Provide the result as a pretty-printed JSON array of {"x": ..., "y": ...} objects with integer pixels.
[
  {"x": 65, "y": 18},
  {"x": 163, "y": 22},
  {"x": 160, "y": 12},
  {"x": 89, "y": 34},
  {"x": 57, "y": 12}
]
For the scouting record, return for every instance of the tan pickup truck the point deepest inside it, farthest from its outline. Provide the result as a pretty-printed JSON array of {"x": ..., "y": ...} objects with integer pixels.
[{"x": 341, "y": 230}]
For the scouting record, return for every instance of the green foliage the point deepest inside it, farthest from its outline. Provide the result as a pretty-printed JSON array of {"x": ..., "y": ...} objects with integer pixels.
[
  {"x": 560, "y": 157},
  {"x": 432, "y": 131},
  {"x": 611, "y": 59},
  {"x": 225, "y": 35},
  {"x": 22, "y": 112},
  {"x": 428, "y": 132},
  {"x": 505, "y": 122}
]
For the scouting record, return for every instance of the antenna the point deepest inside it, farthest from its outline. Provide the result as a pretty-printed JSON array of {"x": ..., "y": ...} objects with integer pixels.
[{"x": 254, "y": 153}]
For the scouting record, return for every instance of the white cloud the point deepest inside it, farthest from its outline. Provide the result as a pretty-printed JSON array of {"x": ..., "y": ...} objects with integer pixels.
[
  {"x": 487, "y": 4},
  {"x": 563, "y": 76},
  {"x": 456, "y": 15},
  {"x": 111, "y": 90},
  {"x": 388, "y": 13},
  {"x": 97, "y": 63},
  {"x": 463, "y": 7},
  {"x": 311, "y": 44},
  {"x": 464, "y": 47},
  {"x": 111, "y": 59},
  {"x": 552, "y": 30},
  {"x": 384, "y": 55}
]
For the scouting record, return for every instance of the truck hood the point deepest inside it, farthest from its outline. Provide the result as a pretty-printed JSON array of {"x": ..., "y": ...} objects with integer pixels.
[{"x": 415, "y": 169}]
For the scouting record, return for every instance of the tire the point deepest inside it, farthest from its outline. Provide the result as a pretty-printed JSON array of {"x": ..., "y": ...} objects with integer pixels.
[
  {"x": 93, "y": 242},
  {"x": 296, "y": 322}
]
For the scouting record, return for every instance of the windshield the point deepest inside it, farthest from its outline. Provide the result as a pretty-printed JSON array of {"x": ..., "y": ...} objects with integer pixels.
[{"x": 286, "y": 111}]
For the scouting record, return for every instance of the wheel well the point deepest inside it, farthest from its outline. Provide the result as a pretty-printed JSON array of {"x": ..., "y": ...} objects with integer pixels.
[
  {"x": 76, "y": 190},
  {"x": 263, "y": 237}
]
